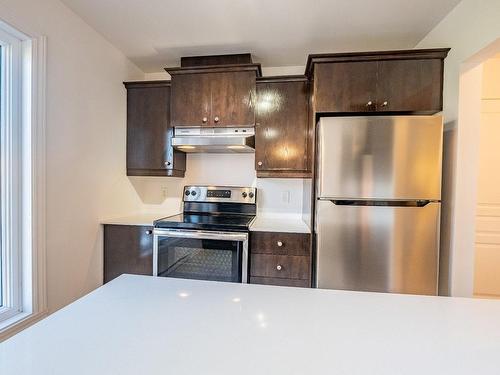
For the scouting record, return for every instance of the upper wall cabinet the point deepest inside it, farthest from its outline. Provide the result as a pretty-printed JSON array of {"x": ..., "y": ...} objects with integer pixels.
[
  {"x": 281, "y": 130},
  {"x": 214, "y": 95},
  {"x": 149, "y": 134},
  {"x": 393, "y": 81}
]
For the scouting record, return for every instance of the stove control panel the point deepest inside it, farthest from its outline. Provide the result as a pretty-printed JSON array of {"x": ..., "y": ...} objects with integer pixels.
[{"x": 220, "y": 194}]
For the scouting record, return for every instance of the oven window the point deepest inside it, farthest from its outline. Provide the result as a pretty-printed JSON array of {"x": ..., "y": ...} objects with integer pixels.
[{"x": 201, "y": 259}]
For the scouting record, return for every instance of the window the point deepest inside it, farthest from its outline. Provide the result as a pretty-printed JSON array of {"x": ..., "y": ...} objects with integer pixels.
[{"x": 22, "y": 292}]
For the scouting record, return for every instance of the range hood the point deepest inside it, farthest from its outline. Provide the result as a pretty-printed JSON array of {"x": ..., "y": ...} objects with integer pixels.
[{"x": 214, "y": 140}]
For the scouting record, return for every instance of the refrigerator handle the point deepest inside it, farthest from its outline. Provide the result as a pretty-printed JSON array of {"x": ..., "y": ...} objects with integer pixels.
[{"x": 380, "y": 203}]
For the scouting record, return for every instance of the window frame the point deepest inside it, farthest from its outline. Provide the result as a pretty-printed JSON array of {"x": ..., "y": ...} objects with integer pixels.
[
  {"x": 22, "y": 161},
  {"x": 10, "y": 166}
]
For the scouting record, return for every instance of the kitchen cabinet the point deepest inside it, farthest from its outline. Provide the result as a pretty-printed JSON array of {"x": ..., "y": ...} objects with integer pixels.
[
  {"x": 214, "y": 96},
  {"x": 127, "y": 249},
  {"x": 392, "y": 81},
  {"x": 282, "y": 147},
  {"x": 280, "y": 259},
  {"x": 149, "y": 133}
]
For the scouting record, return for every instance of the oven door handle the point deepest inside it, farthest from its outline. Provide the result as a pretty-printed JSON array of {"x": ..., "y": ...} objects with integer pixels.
[{"x": 204, "y": 235}]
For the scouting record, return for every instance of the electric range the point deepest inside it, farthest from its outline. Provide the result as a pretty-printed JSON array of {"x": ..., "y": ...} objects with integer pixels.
[{"x": 209, "y": 240}]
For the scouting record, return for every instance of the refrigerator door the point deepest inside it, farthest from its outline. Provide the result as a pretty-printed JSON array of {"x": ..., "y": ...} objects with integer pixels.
[
  {"x": 381, "y": 157},
  {"x": 377, "y": 248}
]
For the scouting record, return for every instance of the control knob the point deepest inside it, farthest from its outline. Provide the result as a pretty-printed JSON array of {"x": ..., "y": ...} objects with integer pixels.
[
  {"x": 187, "y": 192},
  {"x": 251, "y": 195},
  {"x": 244, "y": 194}
]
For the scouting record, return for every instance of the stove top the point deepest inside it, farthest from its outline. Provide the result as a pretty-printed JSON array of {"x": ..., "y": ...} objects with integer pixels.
[
  {"x": 218, "y": 208},
  {"x": 218, "y": 222}
]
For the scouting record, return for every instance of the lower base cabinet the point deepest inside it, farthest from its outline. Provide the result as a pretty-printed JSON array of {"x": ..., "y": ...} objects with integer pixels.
[
  {"x": 127, "y": 249},
  {"x": 282, "y": 259}
]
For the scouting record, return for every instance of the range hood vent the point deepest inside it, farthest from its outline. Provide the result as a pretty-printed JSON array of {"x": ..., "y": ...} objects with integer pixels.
[{"x": 214, "y": 140}]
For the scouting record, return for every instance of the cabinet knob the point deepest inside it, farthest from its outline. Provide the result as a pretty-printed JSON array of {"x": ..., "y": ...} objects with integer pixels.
[
  {"x": 279, "y": 267},
  {"x": 259, "y": 163},
  {"x": 279, "y": 243},
  {"x": 204, "y": 120},
  {"x": 216, "y": 119},
  {"x": 370, "y": 103},
  {"x": 167, "y": 163},
  {"x": 384, "y": 104},
  {"x": 149, "y": 231}
]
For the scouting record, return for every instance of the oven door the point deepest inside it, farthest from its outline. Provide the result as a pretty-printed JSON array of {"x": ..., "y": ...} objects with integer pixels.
[{"x": 201, "y": 255}]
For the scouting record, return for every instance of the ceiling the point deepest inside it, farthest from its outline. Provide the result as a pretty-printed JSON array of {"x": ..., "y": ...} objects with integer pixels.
[{"x": 156, "y": 33}]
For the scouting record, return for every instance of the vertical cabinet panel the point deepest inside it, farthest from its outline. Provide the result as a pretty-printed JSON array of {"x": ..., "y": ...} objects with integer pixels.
[
  {"x": 409, "y": 85},
  {"x": 191, "y": 99},
  {"x": 149, "y": 152},
  {"x": 233, "y": 99},
  {"x": 127, "y": 249},
  {"x": 345, "y": 86},
  {"x": 282, "y": 128}
]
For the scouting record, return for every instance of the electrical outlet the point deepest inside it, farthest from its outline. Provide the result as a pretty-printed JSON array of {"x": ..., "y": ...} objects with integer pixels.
[
  {"x": 164, "y": 191},
  {"x": 285, "y": 196}
]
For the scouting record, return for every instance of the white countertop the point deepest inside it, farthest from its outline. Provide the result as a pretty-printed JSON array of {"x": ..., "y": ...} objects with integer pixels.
[
  {"x": 143, "y": 219},
  {"x": 147, "y": 325},
  {"x": 279, "y": 223},
  {"x": 263, "y": 223}
]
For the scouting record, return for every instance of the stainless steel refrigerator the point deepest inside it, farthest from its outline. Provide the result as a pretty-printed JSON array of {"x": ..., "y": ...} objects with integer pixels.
[{"x": 378, "y": 191}]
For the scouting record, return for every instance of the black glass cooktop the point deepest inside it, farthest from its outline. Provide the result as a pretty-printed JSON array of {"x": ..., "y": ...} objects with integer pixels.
[{"x": 205, "y": 222}]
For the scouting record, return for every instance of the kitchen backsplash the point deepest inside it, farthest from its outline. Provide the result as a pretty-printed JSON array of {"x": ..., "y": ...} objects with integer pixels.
[{"x": 275, "y": 196}]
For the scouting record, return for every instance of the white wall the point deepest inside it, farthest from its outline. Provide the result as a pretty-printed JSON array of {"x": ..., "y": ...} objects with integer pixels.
[
  {"x": 487, "y": 240},
  {"x": 469, "y": 28},
  {"x": 86, "y": 117}
]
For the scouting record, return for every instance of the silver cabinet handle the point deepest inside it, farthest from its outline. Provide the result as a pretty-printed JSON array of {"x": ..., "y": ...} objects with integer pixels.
[
  {"x": 149, "y": 231},
  {"x": 384, "y": 104},
  {"x": 259, "y": 163},
  {"x": 369, "y": 103},
  {"x": 204, "y": 120},
  {"x": 216, "y": 119},
  {"x": 167, "y": 163},
  {"x": 279, "y": 243},
  {"x": 279, "y": 267}
]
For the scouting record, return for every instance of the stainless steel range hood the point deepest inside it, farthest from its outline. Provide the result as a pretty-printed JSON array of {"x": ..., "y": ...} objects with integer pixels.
[{"x": 214, "y": 140}]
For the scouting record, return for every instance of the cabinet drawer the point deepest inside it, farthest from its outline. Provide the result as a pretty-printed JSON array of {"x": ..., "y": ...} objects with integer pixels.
[
  {"x": 279, "y": 282},
  {"x": 279, "y": 266},
  {"x": 279, "y": 243}
]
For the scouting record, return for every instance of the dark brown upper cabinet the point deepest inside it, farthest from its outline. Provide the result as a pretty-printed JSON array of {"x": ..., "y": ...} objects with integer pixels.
[
  {"x": 392, "y": 81},
  {"x": 149, "y": 133},
  {"x": 282, "y": 127},
  {"x": 214, "y": 95}
]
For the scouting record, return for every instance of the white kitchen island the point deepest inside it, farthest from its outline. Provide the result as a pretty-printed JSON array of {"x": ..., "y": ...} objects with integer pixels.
[{"x": 146, "y": 325}]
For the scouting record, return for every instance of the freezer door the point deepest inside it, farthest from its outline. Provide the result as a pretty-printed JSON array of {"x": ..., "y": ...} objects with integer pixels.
[
  {"x": 384, "y": 157},
  {"x": 377, "y": 248}
]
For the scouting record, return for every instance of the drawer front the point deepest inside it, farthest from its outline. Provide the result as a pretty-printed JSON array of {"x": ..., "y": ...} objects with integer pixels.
[
  {"x": 279, "y": 266},
  {"x": 279, "y": 243},
  {"x": 279, "y": 282}
]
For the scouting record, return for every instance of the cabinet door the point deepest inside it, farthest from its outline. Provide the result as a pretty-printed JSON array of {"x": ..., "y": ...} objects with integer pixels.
[
  {"x": 191, "y": 99},
  {"x": 149, "y": 132},
  {"x": 127, "y": 249},
  {"x": 281, "y": 139},
  {"x": 345, "y": 86},
  {"x": 410, "y": 86},
  {"x": 233, "y": 95}
]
